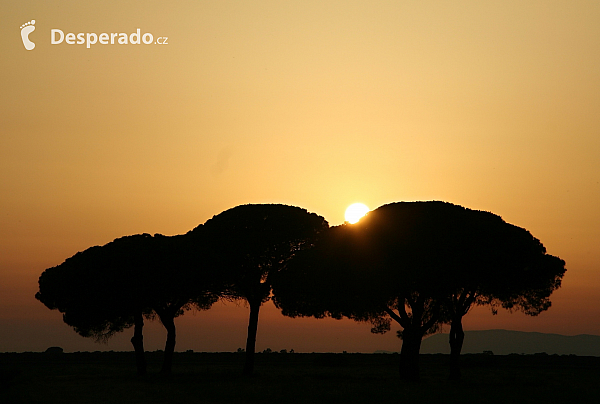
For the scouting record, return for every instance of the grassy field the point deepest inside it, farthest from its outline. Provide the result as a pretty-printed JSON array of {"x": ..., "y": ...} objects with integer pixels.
[{"x": 109, "y": 377}]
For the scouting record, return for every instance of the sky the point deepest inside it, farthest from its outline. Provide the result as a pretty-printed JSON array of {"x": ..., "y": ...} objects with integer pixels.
[{"x": 492, "y": 105}]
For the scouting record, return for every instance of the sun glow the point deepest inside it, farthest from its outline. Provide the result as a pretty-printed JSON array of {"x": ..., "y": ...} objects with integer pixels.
[{"x": 355, "y": 211}]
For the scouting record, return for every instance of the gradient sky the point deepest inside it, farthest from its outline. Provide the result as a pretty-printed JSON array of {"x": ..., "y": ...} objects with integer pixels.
[{"x": 492, "y": 105}]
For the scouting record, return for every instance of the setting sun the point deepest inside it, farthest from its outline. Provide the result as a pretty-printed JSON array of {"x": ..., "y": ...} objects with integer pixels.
[{"x": 355, "y": 211}]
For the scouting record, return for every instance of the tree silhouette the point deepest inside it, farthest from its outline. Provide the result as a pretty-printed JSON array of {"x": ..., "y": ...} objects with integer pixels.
[
  {"x": 104, "y": 290},
  {"x": 177, "y": 280},
  {"x": 93, "y": 297},
  {"x": 506, "y": 268},
  {"x": 385, "y": 267},
  {"x": 420, "y": 264},
  {"x": 250, "y": 243}
]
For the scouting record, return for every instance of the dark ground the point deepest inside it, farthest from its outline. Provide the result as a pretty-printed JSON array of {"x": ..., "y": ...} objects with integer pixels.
[{"x": 109, "y": 377}]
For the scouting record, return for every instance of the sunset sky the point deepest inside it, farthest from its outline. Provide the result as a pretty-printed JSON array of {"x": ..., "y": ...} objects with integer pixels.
[{"x": 492, "y": 105}]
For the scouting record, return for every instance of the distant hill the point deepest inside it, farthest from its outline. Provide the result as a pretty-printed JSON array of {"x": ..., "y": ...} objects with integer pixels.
[{"x": 504, "y": 342}]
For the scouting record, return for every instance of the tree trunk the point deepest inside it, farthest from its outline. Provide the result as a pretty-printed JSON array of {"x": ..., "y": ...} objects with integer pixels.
[
  {"x": 251, "y": 339},
  {"x": 168, "y": 321},
  {"x": 409, "y": 355},
  {"x": 457, "y": 337},
  {"x": 138, "y": 344}
]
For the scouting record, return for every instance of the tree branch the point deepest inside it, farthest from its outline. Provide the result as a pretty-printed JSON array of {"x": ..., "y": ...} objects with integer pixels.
[
  {"x": 396, "y": 317},
  {"x": 432, "y": 320}
]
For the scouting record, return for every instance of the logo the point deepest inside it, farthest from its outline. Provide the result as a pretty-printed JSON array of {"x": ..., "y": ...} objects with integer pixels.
[
  {"x": 88, "y": 39},
  {"x": 27, "y": 29}
]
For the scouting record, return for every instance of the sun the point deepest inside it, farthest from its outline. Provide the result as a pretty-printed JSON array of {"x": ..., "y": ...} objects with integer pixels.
[{"x": 355, "y": 211}]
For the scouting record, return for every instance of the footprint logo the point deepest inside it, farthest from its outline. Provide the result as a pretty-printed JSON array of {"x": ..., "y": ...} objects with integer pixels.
[{"x": 27, "y": 29}]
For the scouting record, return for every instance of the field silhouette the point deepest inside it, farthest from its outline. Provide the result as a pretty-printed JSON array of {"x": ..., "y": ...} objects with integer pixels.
[
  {"x": 505, "y": 342},
  {"x": 106, "y": 377}
]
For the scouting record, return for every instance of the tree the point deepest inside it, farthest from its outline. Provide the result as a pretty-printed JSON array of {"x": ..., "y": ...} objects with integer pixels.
[
  {"x": 420, "y": 264},
  {"x": 104, "y": 290},
  {"x": 96, "y": 298},
  {"x": 250, "y": 243},
  {"x": 178, "y": 280},
  {"x": 385, "y": 267},
  {"x": 507, "y": 267}
]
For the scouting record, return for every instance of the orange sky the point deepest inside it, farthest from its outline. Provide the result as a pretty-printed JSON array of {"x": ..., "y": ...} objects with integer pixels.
[{"x": 490, "y": 105}]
